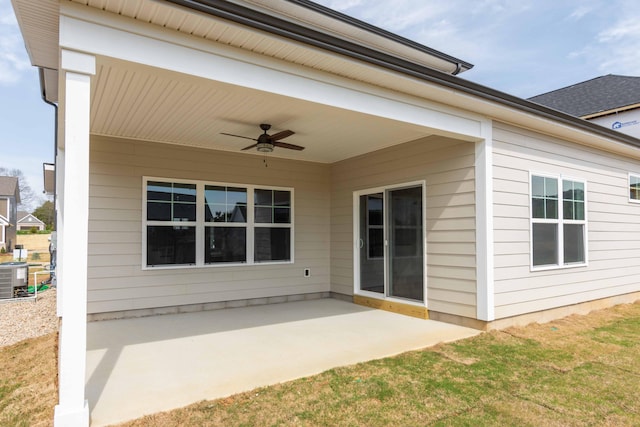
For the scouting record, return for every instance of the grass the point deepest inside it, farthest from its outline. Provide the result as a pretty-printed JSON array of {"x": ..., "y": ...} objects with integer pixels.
[
  {"x": 28, "y": 382},
  {"x": 577, "y": 371}
]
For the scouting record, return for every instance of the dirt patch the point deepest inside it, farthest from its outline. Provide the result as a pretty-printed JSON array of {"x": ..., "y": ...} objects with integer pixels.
[{"x": 34, "y": 242}]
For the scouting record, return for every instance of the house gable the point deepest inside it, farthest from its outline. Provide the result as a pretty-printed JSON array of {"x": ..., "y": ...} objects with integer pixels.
[{"x": 28, "y": 221}]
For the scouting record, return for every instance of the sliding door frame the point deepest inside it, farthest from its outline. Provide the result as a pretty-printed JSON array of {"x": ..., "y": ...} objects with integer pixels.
[{"x": 356, "y": 242}]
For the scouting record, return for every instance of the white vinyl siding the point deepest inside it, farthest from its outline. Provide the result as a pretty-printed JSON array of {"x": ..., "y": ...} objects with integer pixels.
[
  {"x": 613, "y": 223},
  {"x": 447, "y": 167},
  {"x": 117, "y": 280}
]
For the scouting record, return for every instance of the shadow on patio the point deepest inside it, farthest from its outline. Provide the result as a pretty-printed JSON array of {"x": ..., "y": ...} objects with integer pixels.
[{"x": 152, "y": 364}]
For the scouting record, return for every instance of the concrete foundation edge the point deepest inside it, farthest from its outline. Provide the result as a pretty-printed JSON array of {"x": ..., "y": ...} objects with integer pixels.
[
  {"x": 542, "y": 316},
  {"x": 192, "y": 308}
]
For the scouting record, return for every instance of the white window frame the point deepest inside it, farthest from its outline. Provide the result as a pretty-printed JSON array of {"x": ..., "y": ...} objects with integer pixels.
[
  {"x": 632, "y": 175},
  {"x": 200, "y": 224},
  {"x": 560, "y": 221}
]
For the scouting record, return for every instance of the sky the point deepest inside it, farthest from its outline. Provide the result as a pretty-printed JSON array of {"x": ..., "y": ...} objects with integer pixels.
[{"x": 521, "y": 47}]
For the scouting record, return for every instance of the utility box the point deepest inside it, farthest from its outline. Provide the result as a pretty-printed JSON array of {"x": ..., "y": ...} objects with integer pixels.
[
  {"x": 14, "y": 279},
  {"x": 19, "y": 253}
]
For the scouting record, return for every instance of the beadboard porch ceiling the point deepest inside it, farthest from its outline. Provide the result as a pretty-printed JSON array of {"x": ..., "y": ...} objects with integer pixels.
[{"x": 144, "y": 103}]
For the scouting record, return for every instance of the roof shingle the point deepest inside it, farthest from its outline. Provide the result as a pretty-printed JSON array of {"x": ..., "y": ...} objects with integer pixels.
[
  {"x": 8, "y": 185},
  {"x": 593, "y": 96}
]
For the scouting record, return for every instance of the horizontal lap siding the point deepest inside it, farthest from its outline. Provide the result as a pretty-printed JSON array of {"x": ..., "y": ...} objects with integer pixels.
[
  {"x": 447, "y": 167},
  {"x": 613, "y": 224},
  {"x": 116, "y": 279}
]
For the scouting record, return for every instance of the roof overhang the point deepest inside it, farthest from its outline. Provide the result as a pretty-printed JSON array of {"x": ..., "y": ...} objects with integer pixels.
[
  {"x": 319, "y": 26},
  {"x": 261, "y": 33}
]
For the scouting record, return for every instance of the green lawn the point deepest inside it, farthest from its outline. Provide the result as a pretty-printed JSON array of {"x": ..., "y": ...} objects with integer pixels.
[{"x": 578, "y": 371}]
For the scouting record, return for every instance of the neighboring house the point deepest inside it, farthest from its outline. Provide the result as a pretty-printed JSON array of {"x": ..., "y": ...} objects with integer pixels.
[
  {"x": 611, "y": 101},
  {"x": 28, "y": 222},
  {"x": 9, "y": 199},
  {"x": 415, "y": 188}
]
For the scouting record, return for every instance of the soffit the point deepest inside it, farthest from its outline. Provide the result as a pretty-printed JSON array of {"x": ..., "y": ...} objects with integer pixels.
[
  {"x": 145, "y": 103},
  {"x": 357, "y": 32},
  {"x": 203, "y": 26},
  {"x": 38, "y": 22}
]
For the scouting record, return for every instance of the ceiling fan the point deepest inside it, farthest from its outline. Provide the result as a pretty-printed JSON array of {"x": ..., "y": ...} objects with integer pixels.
[{"x": 265, "y": 142}]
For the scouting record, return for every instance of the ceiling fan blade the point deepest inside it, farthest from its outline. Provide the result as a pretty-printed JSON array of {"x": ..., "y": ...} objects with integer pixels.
[
  {"x": 281, "y": 135},
  {"x": 289, "y": 146},
  {"x": 238, "y": 136},
  {"x": 250, "y": 147}
]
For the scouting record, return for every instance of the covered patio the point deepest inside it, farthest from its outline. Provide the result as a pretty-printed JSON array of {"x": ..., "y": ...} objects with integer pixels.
[
  {"x": 154, "y": 122},
  {"x": 213, "y": 354}
]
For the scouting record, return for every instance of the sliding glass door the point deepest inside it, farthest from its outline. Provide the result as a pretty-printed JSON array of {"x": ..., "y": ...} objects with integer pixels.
[{"x": 391, "y": 243}]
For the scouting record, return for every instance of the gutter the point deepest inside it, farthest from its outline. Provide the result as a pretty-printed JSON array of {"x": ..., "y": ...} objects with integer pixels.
[
  {"x": 273, "y": 25},
  {"x": 459, "y": 64},
  {"x": 43, "y": 94}
]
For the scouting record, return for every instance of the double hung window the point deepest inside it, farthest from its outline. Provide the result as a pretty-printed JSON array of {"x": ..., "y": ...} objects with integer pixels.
[
  {"x": 198, "y": 223},
  {"x": 558, "y": 222},
  {"x": 272, "y": 229},
  {"x": 171, "y": 223},
  {"x": 225, "y": 231}
]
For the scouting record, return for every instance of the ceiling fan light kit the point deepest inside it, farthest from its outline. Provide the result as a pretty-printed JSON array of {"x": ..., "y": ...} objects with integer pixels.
[{"x": 264, "y": 147}]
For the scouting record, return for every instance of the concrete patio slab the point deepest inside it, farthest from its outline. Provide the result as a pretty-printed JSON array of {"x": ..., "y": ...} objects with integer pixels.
[{"x": 152, "y": 364}]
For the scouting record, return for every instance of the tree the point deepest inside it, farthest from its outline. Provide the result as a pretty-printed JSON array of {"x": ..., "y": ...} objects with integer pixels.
[
  {"x": 27, "y": 197},
  {"x": 45, "y": 213}
]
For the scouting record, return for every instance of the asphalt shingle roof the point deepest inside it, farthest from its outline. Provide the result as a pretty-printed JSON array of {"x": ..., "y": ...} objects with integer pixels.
[
  {"x": 8, "y": 185},
  {"x": 593, "y": 96}
]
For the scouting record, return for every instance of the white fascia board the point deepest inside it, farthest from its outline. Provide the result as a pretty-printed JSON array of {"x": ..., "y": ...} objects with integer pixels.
[
  {"x": 485, "y": 298},
  {"x": 100, "y": 33}
]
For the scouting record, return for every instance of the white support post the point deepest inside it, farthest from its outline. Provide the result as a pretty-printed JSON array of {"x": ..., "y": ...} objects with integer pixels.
[
  {"x": 485, "y": 304},
  {"x": 59, "y": 223},
  {"x": 73, "y": 409}
]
